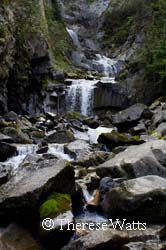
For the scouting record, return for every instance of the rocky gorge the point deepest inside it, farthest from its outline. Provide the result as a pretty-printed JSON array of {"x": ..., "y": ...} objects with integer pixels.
[{"x": 82, "y": 125}]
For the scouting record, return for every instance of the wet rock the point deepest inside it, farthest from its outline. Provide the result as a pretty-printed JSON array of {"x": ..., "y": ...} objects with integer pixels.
[
  {"x": 6, "y": 151},
  {"x": 115, "y": 139},
  {"x": 15, "y": 237},
  {"x": 61, "y": 136},
  {"x": 77, "y": 149},
  {"x": 17, "y": 135},
  {"x": 97, "y": 240},
  {"x": 42, "y": 150},
  {"x": 142, "y": 199},
  {"x": 136, "y": 161},
  {"x": 93, "y": 204},
  {"x": 129, "y": 117},
  {"x": 21, "y": 196}
]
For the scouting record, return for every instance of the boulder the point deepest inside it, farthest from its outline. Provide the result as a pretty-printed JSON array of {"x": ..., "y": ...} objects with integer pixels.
[
  {"x": 59, "y": 208},
  {"x": 142, "y": 199},
  {"x": 22, "y": 195},
  {"x": 5, "y": 138},
  {"x": 5, "y": 174},
  {"x": 77, "y": 149},
  {"x": 11, "y": 116},
  {"x": 137, "y": 161},
  {"x": 99, "y": 239},
  {"x": 94, "y": 159},
  {"x": 60, "y": 136},
  {"x": 7, "y": 151},
  {"x": 115, "y": 139},
  {"x": 17, "y": 135},
  {"x": 129, "y": 117},
  {"x": 14, "y": 237},
  {"x": 161, "y": 129},
  {"x": 151, "y": 245},
  {"x": 158, "y": 118},
  {"x": 162, "y": 233}
]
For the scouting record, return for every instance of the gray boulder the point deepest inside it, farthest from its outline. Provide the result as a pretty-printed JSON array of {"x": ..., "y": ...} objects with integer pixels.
[
  {"x": 142, "y": 199},
  {"x": 137, "y": 161},
  {"x": 129, "y": 117},
  {"x": 97, "y": 240},
  {"x": 115, "y": 139},
  {"x": 61, "y": 136},
  {"x": 77, "y": 149},
  {"x": 162, "y": 128},
  {"x": 15, "y": 237},
  {"x": 22, "y": 195}
]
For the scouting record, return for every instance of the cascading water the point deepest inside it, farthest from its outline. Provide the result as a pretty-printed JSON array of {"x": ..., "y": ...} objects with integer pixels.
[
  {"x": 80, "y": 96},
  {"x": 105, "y": 65},
  {"x": 74, "y": 37},
  {"x": 23, "y": 151},
  {"x": 58, "y": 150}
]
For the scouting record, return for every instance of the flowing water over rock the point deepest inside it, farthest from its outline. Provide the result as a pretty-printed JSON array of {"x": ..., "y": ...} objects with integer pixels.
[
  {"x": 23, "y": 151},
  {"x": 80, "y": 96}
]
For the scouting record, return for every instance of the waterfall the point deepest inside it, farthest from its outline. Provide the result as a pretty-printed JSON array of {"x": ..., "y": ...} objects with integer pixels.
[
  {"x": 80, "y": 96},
  {"x": 58, "y": 150},
  {"x": 74, "y": 37},
  {"x": 107, "y": 65}
]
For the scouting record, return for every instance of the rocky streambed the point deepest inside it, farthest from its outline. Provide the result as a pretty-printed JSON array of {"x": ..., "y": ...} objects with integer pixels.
[{"x": 84, "y": 170}]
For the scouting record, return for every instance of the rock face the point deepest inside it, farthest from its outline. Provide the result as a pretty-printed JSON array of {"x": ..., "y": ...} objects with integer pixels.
[
  {"x": 17, "y": 238},
  {"x": 143, "y": 198},
  {"x": 6, "y": 151},
  {"x": 21, "y": 196},
  {"x": 97, "y": 240},
  {"x": 25, "y": 51},
  {"x": 136, "y": 161},
  {"x": 110, "y": 96}
]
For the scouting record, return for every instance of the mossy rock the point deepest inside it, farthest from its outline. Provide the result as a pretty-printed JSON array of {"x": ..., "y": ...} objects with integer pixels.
[
  {"x": 72, "y": 75},
  {"x": 17, "y": 135},
  {"x": 4, "y": 124},
  {"x": 38, "y": 134},
  {"x": 115, "y": 139},
  {"x": 56, "y": 204},
  {"x": 73, "y": 115}
]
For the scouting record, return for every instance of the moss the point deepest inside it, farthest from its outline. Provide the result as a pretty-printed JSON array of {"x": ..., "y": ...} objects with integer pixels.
[
  {"x": 56, "y": 203},
  {"x": 38, "y": 134},
  {"x": 73, "y": 115}
]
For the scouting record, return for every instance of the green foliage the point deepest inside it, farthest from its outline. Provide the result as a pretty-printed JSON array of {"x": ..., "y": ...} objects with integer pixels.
[{"x": 56, "y": 203}]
